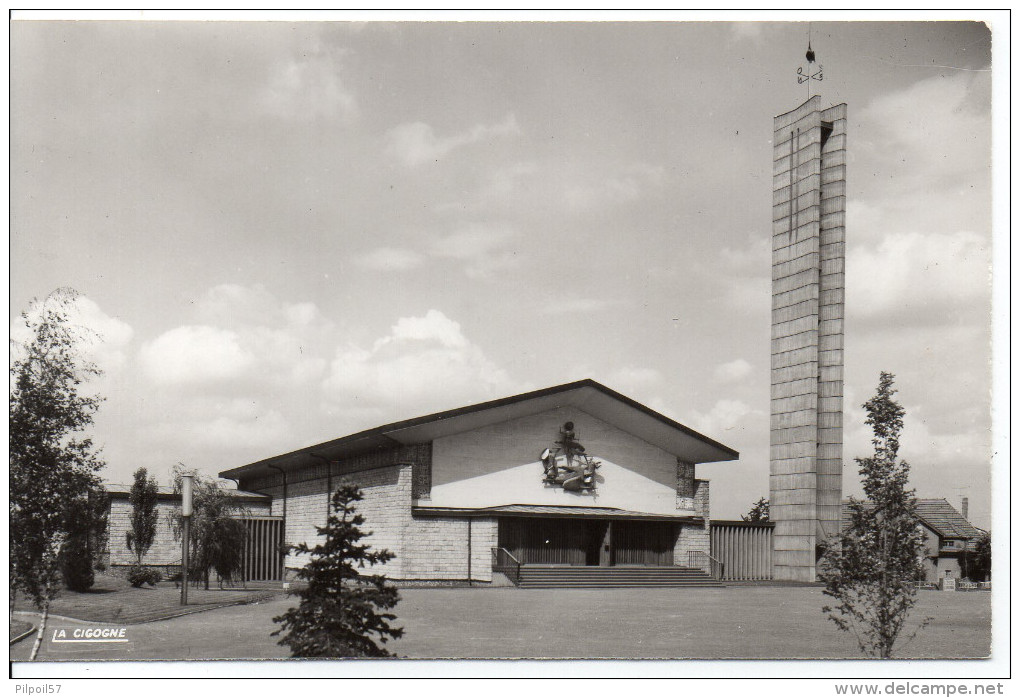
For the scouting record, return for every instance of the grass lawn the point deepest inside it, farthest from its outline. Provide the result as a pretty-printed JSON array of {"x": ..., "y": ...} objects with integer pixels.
[
  {"x": 732, "y": 622},
  {"x": 113, "y": 600},
  {"x": 18, "y": 627}
]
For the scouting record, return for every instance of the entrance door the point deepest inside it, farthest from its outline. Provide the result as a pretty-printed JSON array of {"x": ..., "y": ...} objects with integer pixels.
[
  {"x": 643, "y": 543},
  {"x": 597, "y": 551},
  {"x": 541, "y": 541}
]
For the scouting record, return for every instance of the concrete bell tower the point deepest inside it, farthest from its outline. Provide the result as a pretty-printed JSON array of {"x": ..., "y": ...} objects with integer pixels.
[{"x": 808, "y": 252}]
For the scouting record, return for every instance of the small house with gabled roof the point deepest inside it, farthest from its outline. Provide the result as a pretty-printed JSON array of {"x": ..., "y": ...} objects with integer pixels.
[{"x": 949, "y": 536}]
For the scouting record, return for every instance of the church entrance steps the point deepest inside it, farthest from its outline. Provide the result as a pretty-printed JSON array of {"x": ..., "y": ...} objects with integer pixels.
[{"x": 564, "y": 576}]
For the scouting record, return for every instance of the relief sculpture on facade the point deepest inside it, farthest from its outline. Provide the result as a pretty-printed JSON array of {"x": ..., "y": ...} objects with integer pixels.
[{"x": 567, "y": 465}]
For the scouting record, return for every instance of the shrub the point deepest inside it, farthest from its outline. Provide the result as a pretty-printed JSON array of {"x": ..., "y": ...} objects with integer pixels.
[
  {"x": 76, "y": 564},
  {"x": 139, "y": 576}
]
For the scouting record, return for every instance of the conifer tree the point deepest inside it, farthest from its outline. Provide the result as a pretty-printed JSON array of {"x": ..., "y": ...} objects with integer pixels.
[
  {"x": 339, "y": 611},
  {"x": 87, "y": 523},
  {"x": 871, "y": 569},
  {"x": 144, "y": 498},
  {"x": 759, "y": 512}
]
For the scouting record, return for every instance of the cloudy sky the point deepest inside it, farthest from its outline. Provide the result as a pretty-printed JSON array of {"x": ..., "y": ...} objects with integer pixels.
[{"x": 289, "y": 232}]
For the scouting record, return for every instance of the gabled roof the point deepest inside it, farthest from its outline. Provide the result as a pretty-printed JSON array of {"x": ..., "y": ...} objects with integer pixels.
[
  {"x": 943, "y": 518},
  {"x": 938, "y": 515},
  {"x": 587, "y": 395}
]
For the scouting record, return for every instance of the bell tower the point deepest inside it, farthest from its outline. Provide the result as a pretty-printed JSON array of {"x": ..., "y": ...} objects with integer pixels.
[{"x": 808, "y": 253}]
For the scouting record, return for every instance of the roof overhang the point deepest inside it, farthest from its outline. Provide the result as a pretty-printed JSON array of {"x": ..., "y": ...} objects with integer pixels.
[
  {"x": 586, "y": 395},
  {"x": 546, "y": 512},
  {"x": 739, "y": 523},
  {"x": 118, "y": 491}
]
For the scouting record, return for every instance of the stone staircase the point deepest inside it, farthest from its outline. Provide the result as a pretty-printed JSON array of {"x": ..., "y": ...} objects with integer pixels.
[{"x": 561, "y": 576}]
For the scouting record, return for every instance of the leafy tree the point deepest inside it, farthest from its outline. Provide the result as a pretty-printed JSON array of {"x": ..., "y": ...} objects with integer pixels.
[
  {"x": 871, "y": 568},
  {"x": 76, "y": 563},
  {"x": 217, "y": 533},
  {"x": 759, "y": 512},
  {"x": 52, "y": 466},
  {"x": 86, "y": 535},
  {"x": 144, "y": 497},
  {"x": 979, "y": 561},
  {"x": 337, "y": 616}
]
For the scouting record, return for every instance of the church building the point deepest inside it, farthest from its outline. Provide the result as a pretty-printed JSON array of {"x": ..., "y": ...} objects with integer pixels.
[{"x": 571, "y": 480}]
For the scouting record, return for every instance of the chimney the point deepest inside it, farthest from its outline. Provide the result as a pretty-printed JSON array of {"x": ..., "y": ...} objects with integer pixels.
[{"x": 963, "y": 507}]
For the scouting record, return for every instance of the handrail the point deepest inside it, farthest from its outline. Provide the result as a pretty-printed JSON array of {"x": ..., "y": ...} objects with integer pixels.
[
  {"x": 504, "y": 561},
  {"x": 712, "y": 565}
]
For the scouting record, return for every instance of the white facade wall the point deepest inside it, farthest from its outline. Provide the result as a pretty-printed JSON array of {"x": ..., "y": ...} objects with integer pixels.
[{"x": 500, "y": 465}]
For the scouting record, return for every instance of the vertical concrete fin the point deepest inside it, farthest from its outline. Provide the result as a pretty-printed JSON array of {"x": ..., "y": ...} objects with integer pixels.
[{"x": 808, "y": 253}]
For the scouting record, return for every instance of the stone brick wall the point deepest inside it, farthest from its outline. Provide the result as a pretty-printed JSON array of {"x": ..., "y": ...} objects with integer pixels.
[
  {"x": 307, "y": 505},
  {"x": 684, "y": 479},
  {"x": 433, "y": 548},
  {"x": 386, "y": 508},
  {"x": 695, "y": 536},
  {"x": 437, "y": 548},
  {"x": 702, "y": 500},
  {"x": 165, "y": 550}
]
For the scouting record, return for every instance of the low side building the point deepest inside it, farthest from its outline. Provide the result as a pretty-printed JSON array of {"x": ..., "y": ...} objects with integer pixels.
[
  {"x": 576, "y": 475},
  {"x": 948, "y": 537},
  {"x": 166, "y": 550}
]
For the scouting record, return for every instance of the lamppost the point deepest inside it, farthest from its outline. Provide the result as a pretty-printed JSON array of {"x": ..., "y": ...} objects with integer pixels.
[{"x": 186, "y": 497}]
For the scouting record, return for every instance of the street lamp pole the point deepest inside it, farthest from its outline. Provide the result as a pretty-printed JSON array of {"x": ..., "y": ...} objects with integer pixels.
[{"x": 186, "y": 497}]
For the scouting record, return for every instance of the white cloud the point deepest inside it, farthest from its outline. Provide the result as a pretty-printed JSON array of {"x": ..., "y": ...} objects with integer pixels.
[
  {"x": 955, "y": 120},
  {"x": 920, "y": 277},
  {"x": 221, "y": 426},
  {"x": 481, "y": 251},
  {"x": 731, "y": 371},
  {"x": 480, "y": 248},
  {"x": 424, "y": 364},
  {"x": 929, "y": 168},
  {"x": 628, "y": 185},
  {"x": 434, "y": 326},
  {"x": 750, "y": 258},
  {"x": 308, "y": 88},
  {"x": 233, "y": 305},
  {"x": 725, "y": 416},
  {"x": 235, "y": 385},
  {"x": 247, "y": 334},
  {"x": 416, "y": 143},
  {"x": 571, "y": 306},
  {"x": 104, "y": 340},
  {"x": 747, "y": 30},
  {"x": 195, "y": 354},
  {"x": 389, "y": 259}
]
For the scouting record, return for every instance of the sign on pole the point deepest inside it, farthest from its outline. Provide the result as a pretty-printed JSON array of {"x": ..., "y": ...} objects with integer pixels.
[{"x": 186, "y": 510}]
